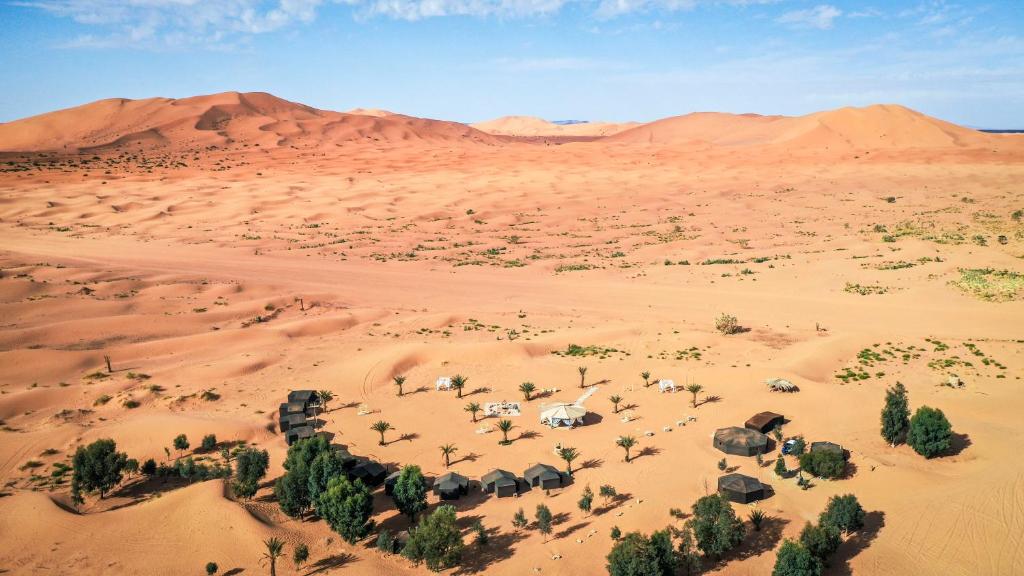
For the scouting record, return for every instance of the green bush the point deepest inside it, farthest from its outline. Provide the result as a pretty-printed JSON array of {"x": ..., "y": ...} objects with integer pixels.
[
  {"x": 930, "y": 432},
  {"x": 823, "y": 463}
]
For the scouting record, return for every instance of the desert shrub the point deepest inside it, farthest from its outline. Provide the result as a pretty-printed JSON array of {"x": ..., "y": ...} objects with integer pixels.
[
  {"x": 930, "y": 432},
  {"x": 209, "y": 442},
  {"x": 822, "y": 540},
  {"x": 436, "y": 540},
  {"x": 347, "y": 508},
  {"x": 794, "y": 559},
  {"x": 387, "y": 543},
  {"x": 149, "y": 467},
  {"x": 96, "y": 468},
  {"x": 638, "y": 555},
  {"x": 250, "y": 467},
  {"x": 211, "y": 568},
  {"x": 843, "y": 512},
  {"x": 896, "y": 415},
  {"x": 727, "y": 324}
]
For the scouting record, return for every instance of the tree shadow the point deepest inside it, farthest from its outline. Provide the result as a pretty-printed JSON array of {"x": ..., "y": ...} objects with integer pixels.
[
  {"x": 471, "y": 457},
  {"x": 408, "y": 436},
  {"x": 646, "y": 451},
  {"x": 590, "y": 464},
  {"x": 528, "y": 435},
  {"x": 480, "y": 390},
  {"x": 630, "y": 406},
  {"x": 570, "y": 530},
  {"x": 848, "y": 471},
  {"x": 957, "y": 444},
  {"x": 332, "y": 562},
  {"x": 760, "y": 541},
  {"x": 419, "y": 390},
  {"x": 234, "y": 571},
  {"x": 709, "y": 400},
  {"x": 840, "y": 562},
  {"x": 610, "y": 505},
  {"x": 348, "y": 405},
  {"x": 500, "y": 547}
]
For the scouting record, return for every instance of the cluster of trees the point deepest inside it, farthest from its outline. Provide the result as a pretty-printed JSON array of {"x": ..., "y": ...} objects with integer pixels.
[
  {"x": 808, "y": 556},
  {"x": 823, "y": 463},
  {"x": 713, "y": 530},
  {"x": 928, "y": 432}
]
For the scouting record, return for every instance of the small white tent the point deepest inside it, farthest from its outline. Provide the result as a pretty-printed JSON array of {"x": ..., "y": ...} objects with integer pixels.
[
  {"x": 666, "y": 385},
  {"x": 443, "y": 383},
  {"x": 562, "y": 414}
]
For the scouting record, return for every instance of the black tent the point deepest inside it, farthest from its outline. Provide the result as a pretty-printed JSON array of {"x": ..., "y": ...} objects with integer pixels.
[
  {"x": 305, "y": 397},
  {"x": 501, "y": 482},
  {"x": 740, "y": 441},
  {"x": 451, "y": 485},
  {"x": 287, "y": 408},
  {"x": 765, "y": 421},
  {"x": 739, "y": 488},
  {"x": 543, "y": 475},
  {"x": 370, "y": 472},
  {"x": 292, "y": 421},
  {"x": 299, "y": 433}
]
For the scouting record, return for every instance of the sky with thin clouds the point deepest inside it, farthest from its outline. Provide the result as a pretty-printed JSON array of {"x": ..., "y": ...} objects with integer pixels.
[{"x": 471, "y": 60}]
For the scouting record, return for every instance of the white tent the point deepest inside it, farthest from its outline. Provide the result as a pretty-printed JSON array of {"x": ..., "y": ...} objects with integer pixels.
[
  {"x": 666, "y": 385},
  {"x": 443, "y": 383},
  {"x": 562, "y": 414}
]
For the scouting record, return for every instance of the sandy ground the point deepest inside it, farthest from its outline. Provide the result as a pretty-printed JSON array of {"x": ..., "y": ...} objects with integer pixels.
[{"x": 429, "y": 257}]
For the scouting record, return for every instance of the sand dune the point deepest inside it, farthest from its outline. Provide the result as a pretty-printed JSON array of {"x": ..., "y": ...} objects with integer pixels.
[{"x": 533, "y": 126}]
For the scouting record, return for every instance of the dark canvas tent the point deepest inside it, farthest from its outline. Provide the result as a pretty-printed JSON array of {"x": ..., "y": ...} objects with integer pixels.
[
  {"x": 297, "y": 433},
  {"x": 292, "y": 421},
  {"x": 287, "y": 408},
  {"x": 740, "y": 488},
  {"x": 501, "y": 482},
  {"x": 370, "y": 472},
  {"x": 828, "y": 447},
  {"x": 451, "y": 485},
  {"x": 764, "y": 421},
  {"x": 740, "y": 441},
  {"x": 543, "y": 475},
  {"x": 305, "y": 397}
]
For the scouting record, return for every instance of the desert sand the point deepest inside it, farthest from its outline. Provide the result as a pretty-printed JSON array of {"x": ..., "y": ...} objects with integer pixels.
[
  {"x": 157, "y": 231},
  {"x": 533, "y": 126}
]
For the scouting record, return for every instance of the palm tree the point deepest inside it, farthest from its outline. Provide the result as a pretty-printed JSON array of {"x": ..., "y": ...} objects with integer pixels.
[
  {"x": 275, "y": 549},
  {"x": 459, "y": 382},
  {"x": 447, "y": 450},
  {"x": 583, "y": 376},
  {"x": 694, "y": 389},
  {"x": 626, "y": 442},
  {"x": 325, "y": 397},
  {"x": 527, "y": 388},
  {"x": 381, "y": 427},
  {"x": 474, "y": 408},
  {"x": 399, "y": 380},
  {"x": 568, "y": 454},
  {"x": 504, "y": 426},
  {"x": 646, "y": 375},
  {"x": 615, "y": 401}
]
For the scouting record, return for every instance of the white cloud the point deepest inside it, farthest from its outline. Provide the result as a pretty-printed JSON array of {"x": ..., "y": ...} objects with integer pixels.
[
  {"x": 420, "y": 9},
  {"x": 820, "y": 17}
]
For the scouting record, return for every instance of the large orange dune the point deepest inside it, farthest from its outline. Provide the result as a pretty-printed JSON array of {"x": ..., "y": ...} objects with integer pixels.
[
  {"x": 533, "y": 126},
  {"x": 223, "y": 250}
]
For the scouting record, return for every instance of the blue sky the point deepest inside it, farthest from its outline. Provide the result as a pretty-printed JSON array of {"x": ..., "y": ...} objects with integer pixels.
[{"x": 471, "y": 60}]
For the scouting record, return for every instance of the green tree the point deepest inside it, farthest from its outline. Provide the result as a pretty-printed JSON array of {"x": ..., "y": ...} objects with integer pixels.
[
  {"x": 608, "y": 492},
  {"x": 583, "y": 376},
  {"x": 715, "y": 526},
  {"x": 275, "y": 549},
  {"x": 694, "y": 389},
  {"x": 896, "y": 415},
  {"x": 505, "y": 426},
  {"x": 292, "y": 489},
  {"x": 844, "y": 512},
  {"x": 543, "y": 517},
  {"x": 822, "y": 540},
  {"x": 381, "y": 427},
  {"x": 638, "y": 555},
  {"x": 436, "y": 541},
  {"x": 325, "y": 465},
  {"x": 586, "y": 501},
  {"x": 459, "y": 382},
  {"x": 646, "y": 375},
  {"x": 209, "y": 442},
  {"x": 689, "y": 559},
  {"x": 97, "y": 467},
  {"x": 568, "y": 454},
  {"x": 325, "y": 398},
  {"x": 131, "y": 466},
  {"x": 181, "y": 444},
  {"x": 615, "y": 399},
  {"x": 527, "y": 388},
  {"x": 250, "y": 467},
  {"x": 447, "y": 451},
  {"x": 347, "y": 508},
  {"x": 300, "y": 555},
  {"x": 930, "y": 432},
  {"x": 780, "y": 467},
  {"x": 616, "y": 533},
  {"x": 149, "y": 467},
  {"x": 410, "y": 492},
  {"x": 626, "y": 443},
  {"x": 519, "y": 520},
  {"x": 757, "y": 517},
  {"x": 211, "y": 568},
  {"x": 799, "y": 446},
  {"x": 481, "y": 533},
  {"x": 823, "y": 463},
  {"x": 399, "y": 382},
  {"x": 794, "y": 559},
  {"x": 473, "y": 408}
]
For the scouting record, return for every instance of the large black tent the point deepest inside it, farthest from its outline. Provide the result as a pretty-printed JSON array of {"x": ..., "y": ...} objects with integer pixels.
[
  {"x": 451, "y": 485},
  {"x": 501, "y": 482},
  {"x": 740, "y": 441},
  {"x": 740, "y": 488},
  {"x": 370, "y": 472},
  {"x": 543, "y": 475},
  {"x": 765, "y": 421},
  {"x": 292, "y": 421},
  {"x": 297, "y": 433}
]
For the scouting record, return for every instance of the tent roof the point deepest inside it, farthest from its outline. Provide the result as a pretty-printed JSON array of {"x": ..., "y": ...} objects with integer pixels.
[
  {"x": 497, "y": 474},
  {"x": 563, "y": 411},
  {"x": 739, "y": 483},
  {"x": 542, "y": 470},
  {"x": 365, "y": 465},
  {"x": 451, "y": 480},
  {"x": 301, "y": 395},
  {"x": 762, "y": 419},
  {"x": 740, "y": 436}
]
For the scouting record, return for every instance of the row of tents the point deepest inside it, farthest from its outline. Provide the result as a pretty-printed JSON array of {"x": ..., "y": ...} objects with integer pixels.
[
  {"x": 296, "y": 418},
  {"x": 501, "y": 483}
]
